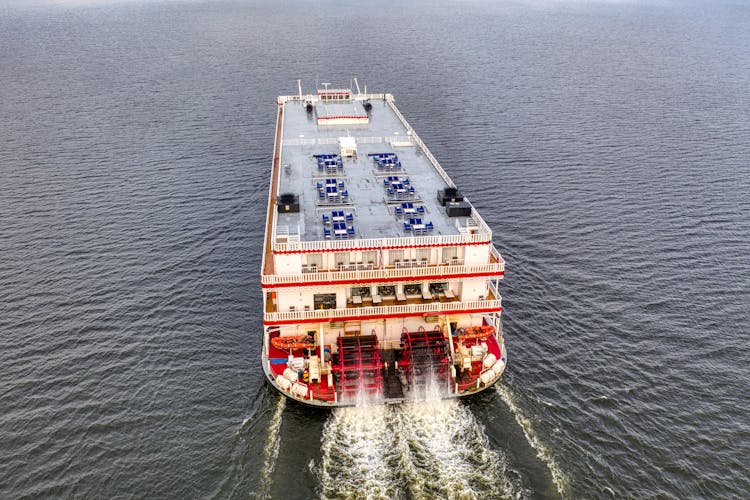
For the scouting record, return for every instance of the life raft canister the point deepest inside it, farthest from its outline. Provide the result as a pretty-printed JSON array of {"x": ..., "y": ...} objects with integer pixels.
[{"x": 293, "y": 342}]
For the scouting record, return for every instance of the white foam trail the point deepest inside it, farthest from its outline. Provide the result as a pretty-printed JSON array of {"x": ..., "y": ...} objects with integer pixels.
[
  {"x": 450, "y": 450},
  {"x": 356, "y": 444},
  {"x": 558, "y": 476},
  {"x": 245, "y": 423},
  {"x": 425, "y": 449},
  {"x": 271, "y": 449}
]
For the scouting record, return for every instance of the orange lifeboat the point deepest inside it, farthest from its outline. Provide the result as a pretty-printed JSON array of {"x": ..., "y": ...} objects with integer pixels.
[
  {"x": 293, "y": 342},
  {"x": 476, "y": 332}
]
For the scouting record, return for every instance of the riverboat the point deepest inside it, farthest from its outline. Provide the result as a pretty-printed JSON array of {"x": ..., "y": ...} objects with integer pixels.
[{"x": 379, "y": 277}]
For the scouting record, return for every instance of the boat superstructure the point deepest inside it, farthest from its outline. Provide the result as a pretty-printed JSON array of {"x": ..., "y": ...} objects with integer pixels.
[{"x": 379, "y": 277}]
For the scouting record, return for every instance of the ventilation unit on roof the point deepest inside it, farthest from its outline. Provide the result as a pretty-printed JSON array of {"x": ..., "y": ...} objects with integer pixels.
[
  {"x": 348, "y": 146},
  {"x": 449, "y": 195},
  {"x": 458, "y": 209},
  {"x": 288, "y": 203}
]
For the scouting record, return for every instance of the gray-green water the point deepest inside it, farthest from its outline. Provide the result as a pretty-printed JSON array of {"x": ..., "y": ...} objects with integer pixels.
[{"x": 606, "y": 143}]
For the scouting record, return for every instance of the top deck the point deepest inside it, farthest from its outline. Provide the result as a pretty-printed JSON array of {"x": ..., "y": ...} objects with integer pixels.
[{"x": 389, "y": 189}]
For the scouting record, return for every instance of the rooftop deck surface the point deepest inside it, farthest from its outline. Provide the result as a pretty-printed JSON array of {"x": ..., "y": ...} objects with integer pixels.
[{"x": 372, "y": 209}]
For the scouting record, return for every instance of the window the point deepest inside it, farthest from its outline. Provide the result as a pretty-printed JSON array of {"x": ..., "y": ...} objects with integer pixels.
[
  {"x": 413, "y": 289},
  {"x": 395, "y": 256},
  {"x": 341, "y": 259},
  {"x": 314, "y": 260},
  {"x": 423, "y": 254},
  {"x": 438, "y": 287},
  {"x": 361, "y": 291},
  {"x": 324, "y": 300},
  {"x": 449, "y": 253},
  {"x": 387, "y": 291},
  {"x": 370, "y": 259}
]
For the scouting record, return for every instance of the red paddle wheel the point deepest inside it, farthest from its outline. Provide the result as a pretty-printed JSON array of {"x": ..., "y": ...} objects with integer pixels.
[
  {"x": 359, "y": 367},
  {"x": 424, "y": 356}
]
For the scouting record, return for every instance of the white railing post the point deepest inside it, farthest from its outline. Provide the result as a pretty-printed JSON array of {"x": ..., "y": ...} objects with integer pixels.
[
  {"x": 432, "y": 307},
  {"x": 376, "y": 244},
  {"x": 332, "y": 276}
]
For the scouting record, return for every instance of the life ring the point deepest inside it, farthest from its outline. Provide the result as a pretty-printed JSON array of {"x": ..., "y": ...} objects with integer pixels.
[{"x": 293, "y": 342}]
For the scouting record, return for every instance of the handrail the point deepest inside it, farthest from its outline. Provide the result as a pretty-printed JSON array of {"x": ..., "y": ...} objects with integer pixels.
[
  {"x": 327, "y": 141},
  {"x": 270, "y": 226},
  {"x": 410, "y": 131},
  {"x": 496, "y": 254},
  {"x": 377, "y": 243},
  {"x": 493, "y": 289},
  {"x": 436, "y": 165},
  {"x": 483, "y": 227},
  {"x": 335, "y": 275},
  {"x": 315, "y": 98},
  {"x": 431, "y": 307}
]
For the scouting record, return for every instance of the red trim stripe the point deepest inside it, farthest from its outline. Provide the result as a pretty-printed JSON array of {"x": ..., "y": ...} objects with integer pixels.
[
  {"x": 376, "y": 316},
  {"x": 324, "y": 280},
  {"x": 395, "y": 247}
]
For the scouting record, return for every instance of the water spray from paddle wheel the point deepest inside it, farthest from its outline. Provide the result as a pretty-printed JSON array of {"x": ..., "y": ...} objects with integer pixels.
[{"x": 425, "y": 359}]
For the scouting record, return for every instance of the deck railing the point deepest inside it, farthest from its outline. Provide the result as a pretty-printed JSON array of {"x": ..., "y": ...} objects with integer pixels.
[
  {"x": 493, "y": 290},
  {"x": 271, "y": 215},
  {"x": 431, "y": 307},
  {"x": 495, "y": 256},
  {"x": 378, "y": 243},
  {"x": 329, "y": 141},
  {"x": 418, "y": 141},
  {"x": 309, "y": 276},
  {"x": 315, "y": 98},
  {"x": 483, "y": 227}
]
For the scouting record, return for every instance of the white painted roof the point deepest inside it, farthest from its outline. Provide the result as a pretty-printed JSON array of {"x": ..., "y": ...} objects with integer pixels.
[{"x": 368, "y": 201}]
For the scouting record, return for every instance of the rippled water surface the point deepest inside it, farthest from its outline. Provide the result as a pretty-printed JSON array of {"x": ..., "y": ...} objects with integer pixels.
[{"x": 606, "y": 143}]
